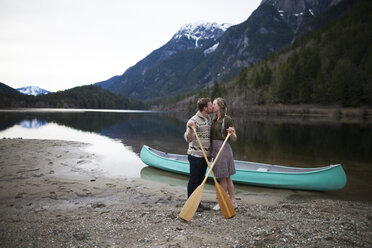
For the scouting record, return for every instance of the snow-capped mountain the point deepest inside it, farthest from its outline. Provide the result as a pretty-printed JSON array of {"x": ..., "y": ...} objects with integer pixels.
[
  {"x": 32, "y": 90},
  {"x": 200, "y": 31},
  {"x": 200, "y": 54},
  {"x": 194, "y": 35},
  {"x": 197, "y": 35}
]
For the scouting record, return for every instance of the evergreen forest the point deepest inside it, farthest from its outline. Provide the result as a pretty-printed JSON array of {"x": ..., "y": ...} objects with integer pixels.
[
  {"x": 330, "y": 66},
  {"x": 89, "y": 96}
]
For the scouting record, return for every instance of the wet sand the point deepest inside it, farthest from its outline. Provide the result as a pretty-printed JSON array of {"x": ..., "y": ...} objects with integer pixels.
[{"x": 52, "y": 194}]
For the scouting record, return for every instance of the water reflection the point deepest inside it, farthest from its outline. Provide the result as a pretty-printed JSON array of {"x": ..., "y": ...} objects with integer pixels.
[
  {"x": 114, "y": 158},
  {"x": 34, "y": 123},
  {"x": 303, "y": 143},
  {"x": 294, "y": 142},
  {"x": 134, "y": 129}
]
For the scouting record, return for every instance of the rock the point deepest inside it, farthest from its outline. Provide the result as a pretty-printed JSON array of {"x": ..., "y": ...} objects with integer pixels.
[
  {"x": 80, "y": 236},
  {"x": 98, "y": 205}
]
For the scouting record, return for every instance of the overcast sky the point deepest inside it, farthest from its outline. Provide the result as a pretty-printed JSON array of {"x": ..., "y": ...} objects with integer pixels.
[{"x": 60, "y": 44}]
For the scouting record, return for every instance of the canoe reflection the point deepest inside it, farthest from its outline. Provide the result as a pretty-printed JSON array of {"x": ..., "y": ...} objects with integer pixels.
[{"x": 153, "y": 174}]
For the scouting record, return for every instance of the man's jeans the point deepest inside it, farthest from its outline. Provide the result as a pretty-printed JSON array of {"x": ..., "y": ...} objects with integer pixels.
[{"x": 198, "y": 167}]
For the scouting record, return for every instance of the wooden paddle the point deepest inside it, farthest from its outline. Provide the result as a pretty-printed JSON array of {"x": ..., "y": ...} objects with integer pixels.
[
  {"x": 223, "y": 199},
  {"x": 193, "y": 202}
]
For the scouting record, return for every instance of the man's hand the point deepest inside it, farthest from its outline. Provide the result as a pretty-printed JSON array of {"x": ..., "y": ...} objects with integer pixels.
[
  {"x": 190, "y": 124},
  {"x": 189, "y": 132}
]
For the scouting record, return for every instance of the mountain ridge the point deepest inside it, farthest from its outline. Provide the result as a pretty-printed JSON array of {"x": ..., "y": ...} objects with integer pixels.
[
  {"x": 181, "y": 41},
  {"x": 7, "y": 90},
  {"x": 328, "y": 67},
  {"x": 88, "y": 96},
  {"x": 295, "y": 12},
  {"x": 184, "y": 66}
]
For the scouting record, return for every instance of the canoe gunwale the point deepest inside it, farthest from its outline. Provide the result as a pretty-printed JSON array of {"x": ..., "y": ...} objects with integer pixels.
[{"x": 310, "y": 170}]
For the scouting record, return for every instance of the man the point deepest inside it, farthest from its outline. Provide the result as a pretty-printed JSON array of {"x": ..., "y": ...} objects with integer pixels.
[{"x": 202, "y": 123}]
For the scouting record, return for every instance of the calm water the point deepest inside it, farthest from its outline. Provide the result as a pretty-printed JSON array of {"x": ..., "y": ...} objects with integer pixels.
[{"x": 117, "y": 137}]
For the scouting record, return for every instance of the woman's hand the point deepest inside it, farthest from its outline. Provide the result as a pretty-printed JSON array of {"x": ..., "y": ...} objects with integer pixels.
[{"x": 231, "y": 131}]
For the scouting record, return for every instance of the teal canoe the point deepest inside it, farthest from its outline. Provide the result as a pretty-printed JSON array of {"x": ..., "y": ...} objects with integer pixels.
[{"x": 327, "y": 178}]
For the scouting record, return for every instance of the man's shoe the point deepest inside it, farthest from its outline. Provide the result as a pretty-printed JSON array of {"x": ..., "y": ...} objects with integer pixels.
[{"x": 204, "y": 207}]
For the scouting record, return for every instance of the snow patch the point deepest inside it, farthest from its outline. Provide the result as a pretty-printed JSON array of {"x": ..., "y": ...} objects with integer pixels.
[
  {"x": 211, "y": 49},
  {"x": 298, "y": 14},
  {"x": 200, "y": 30}
]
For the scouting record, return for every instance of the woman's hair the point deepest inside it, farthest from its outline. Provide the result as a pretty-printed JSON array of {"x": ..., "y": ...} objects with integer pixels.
[{"x": 223, "y": 107}]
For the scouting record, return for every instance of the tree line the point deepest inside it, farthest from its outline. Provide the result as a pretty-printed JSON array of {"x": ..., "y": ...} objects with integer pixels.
[
  {"x": 90, "y": 96},
  {"x": 331, "y": 66}
]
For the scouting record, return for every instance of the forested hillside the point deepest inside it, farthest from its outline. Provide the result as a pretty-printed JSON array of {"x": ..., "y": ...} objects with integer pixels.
[
  {"x": 90, "y": 96},
  {"x": 331, "y": 66},
  {"x": 5, "y": 89},
  {"x": 326, "y": 67}
]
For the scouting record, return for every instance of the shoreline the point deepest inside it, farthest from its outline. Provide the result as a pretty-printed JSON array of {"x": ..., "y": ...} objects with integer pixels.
[
  {"x": 49, "y": 199},
  {"x": 310, "y": 111}
]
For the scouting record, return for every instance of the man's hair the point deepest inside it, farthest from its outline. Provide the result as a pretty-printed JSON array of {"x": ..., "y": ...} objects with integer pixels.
[{"x": 203, "y": 102}]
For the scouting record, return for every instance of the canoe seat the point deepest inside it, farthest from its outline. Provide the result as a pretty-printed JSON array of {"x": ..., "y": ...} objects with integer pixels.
[{"x": 262, "y": 169}]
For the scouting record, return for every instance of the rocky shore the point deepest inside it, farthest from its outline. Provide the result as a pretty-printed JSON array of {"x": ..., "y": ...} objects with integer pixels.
[{"x": 48, "y": 199}]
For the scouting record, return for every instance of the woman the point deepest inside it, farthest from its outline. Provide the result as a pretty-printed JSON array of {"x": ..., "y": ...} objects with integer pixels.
[{"x": 224, "y": 167}]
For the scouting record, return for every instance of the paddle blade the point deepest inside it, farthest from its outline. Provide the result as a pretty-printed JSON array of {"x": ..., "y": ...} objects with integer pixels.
[
  {"x": 189, "y": 209},
  {"x": 224, "y": 201}
]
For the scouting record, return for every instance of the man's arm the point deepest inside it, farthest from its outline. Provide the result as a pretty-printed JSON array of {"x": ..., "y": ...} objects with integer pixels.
[{"x": 189, "y": 134}]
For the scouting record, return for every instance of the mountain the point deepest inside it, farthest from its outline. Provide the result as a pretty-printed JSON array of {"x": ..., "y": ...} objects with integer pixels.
[
  {"x": 89, "y": 97},
  {"x": 329, "y": 67},
  {"x": 8, "y": 96},
  {"x": 187, "y": 62},
  {"x": 195, "y": 35},
  {"x": 32, "y": 90},
  {"x": 337, "y": 8},
  {"x": 297, "y": 12},
  {"x": 189, "y": 37},
  {"x": 7, "y": 90}
]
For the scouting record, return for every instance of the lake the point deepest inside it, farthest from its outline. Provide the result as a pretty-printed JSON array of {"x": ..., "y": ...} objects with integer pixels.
[{"x": 118, "y": 136}]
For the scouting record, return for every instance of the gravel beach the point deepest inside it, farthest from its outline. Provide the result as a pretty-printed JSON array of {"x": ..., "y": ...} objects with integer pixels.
[{"x": 51, "y": 196}]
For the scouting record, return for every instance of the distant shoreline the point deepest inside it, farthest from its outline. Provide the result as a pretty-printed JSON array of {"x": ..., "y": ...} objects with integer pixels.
[
  {"x": 73, "y": 110},
  {"x": 279, "y": 110},
  {"x": 311, "y": 111}
]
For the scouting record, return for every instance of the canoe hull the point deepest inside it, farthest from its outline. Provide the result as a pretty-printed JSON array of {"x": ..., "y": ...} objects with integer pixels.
[{"x": 329, "y": 178}]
